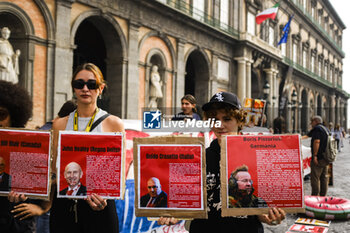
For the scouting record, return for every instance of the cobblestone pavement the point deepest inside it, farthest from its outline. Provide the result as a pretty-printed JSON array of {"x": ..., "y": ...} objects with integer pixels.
[{"x": 340, "y": 188}]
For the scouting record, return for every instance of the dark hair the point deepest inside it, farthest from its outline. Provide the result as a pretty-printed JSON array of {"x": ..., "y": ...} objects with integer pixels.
[
  {"x": 16, "y": 100},
  {"x": 191, "y": 99},
  {"x": 279, "y": 125},
  {"x": 67, "y": 108}
]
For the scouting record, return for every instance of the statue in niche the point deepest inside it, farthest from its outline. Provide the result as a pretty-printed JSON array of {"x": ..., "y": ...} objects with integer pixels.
[
  {"x": 155, "y": 88},
  {"x": 9, "y": 69}
]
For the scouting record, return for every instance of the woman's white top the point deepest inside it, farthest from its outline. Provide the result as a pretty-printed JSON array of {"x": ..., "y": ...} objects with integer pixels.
[{"x": 83, "y": 121}]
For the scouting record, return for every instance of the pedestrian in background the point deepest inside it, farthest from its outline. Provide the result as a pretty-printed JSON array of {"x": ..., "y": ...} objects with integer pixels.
[
  {"x": 337, "y": 135},
  {"x": 319, "y": 166},
  {"x": 189, "y": 110}
]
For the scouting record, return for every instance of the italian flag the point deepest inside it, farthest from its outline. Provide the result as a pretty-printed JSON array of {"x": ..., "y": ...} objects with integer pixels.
[{"x": 267, "y": 14}]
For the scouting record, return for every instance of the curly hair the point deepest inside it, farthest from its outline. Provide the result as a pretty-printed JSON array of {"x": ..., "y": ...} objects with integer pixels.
[
  {"x": 239, "y": 114},
  {"x": 16, "y": 100}
]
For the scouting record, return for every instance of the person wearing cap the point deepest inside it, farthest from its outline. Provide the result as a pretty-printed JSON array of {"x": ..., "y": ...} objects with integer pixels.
[{"x": 225, "y": 107}]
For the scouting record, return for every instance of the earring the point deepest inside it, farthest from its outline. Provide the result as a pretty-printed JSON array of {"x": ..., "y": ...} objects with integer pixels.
[{"x": 100, "y": 96}]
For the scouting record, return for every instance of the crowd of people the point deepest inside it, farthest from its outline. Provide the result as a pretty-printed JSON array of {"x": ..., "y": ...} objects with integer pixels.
[{"x": 96, "y": 214}]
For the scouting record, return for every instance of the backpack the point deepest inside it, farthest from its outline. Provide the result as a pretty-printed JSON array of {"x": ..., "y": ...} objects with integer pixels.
[{"x": 331, "y": 149}]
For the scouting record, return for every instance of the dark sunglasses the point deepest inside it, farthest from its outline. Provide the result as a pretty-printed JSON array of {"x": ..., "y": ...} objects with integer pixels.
[{"x": 79, "y": 84}]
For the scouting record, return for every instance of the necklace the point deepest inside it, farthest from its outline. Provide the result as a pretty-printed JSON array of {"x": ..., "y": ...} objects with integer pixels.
[{"x": 88, "y": 127}]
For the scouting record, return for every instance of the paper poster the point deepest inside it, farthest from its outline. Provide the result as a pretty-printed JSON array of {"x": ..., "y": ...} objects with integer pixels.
[
  {"x": 90, "y": 163},
  {"x": 311, "y": 221},
  {"x": 25, "y": 162},
  {"x": 261, "y": 172},
  {"x": 170, "y": 179},
  {"x": 305, "y": 228},
  {"x": 255, "y": 109}
]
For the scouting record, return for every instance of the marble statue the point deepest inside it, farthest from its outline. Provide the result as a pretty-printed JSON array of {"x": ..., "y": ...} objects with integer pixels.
[
  {"x": 155, "y": 88},
  {"x": 9, "y": 69}
]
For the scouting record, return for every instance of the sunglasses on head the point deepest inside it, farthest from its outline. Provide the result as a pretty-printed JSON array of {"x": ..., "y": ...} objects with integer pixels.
[{"x": 79, "y": 84}]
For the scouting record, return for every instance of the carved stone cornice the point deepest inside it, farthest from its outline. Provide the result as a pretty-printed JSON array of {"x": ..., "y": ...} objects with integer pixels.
[{"x": 306, "y": 45}]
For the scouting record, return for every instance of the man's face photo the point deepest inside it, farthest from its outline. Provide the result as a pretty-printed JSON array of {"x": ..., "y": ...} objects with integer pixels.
[
  {"x": 2, "y": 165},
  {"x": 73, "y": 174},
  {"x": 153, "y": 186},
  {"x": 244, "y": 181}
]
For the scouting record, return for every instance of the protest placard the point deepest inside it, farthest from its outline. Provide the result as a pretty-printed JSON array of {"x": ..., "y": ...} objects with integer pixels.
[
  {"x": 260, "y": 172},
  {"x": 25, "y": 162},
  {"x": 255, "y": 109},
  {"x": 170, "y": 177},
  {"x": 90, "y": 163}
]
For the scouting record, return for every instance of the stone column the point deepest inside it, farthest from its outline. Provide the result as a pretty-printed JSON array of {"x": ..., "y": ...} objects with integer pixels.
[
  {"x": 249, "y": 78},
  {"x": 132, "y": 83},
  {"x": 241, "y": 78},
  {"x": 274, "y": 96},
  {"x": 179, "y": 88},
  {"x": 345, "y": 126},
  {"x": 338, "y": 116},
  {"x": 213, "y": 78},
  {"x": 332, "y": 109},
  {"x": 63, "y": 55},
  {"x": 270, "y": 79}
]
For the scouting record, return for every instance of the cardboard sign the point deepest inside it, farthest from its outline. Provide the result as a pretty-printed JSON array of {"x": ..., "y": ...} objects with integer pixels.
[
  {"x": 170, "y": 177},
  {"x": 261, "y": 172},
  {"x": 255, "y": 109},
  {"x": 25, "y": 162},
  {"x": 90, "y": 163}
]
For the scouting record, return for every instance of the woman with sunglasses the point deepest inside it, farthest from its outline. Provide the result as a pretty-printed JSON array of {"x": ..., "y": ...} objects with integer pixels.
[{"x": 94, "y": 214}]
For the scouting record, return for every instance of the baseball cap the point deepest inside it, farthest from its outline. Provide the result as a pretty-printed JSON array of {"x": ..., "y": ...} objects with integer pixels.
[{"x": 223, "y": 97}]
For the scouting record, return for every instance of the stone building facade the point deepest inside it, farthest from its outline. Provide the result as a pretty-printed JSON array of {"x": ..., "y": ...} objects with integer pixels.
[{"x": 200, "y": 46}]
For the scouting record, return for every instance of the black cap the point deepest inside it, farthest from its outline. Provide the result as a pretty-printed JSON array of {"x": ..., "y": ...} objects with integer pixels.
[{"x": 223, "y": 97}]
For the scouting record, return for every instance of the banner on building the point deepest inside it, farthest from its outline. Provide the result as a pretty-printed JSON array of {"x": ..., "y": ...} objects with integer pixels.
[
  {"x": 90, "y": 163},
  {"x": 170, "y": 177},
  {"x": 261, "y": 172},
  {"x": 25, "y": 162}
]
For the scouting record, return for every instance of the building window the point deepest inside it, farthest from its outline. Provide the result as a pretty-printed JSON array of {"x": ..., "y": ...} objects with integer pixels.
[
  {"x": 320, "y": 19},
  {"x": 198, "y": 9},
  {"x": 271, "y": 35},
  {"x": 295, "y": 52},
  {"x": 331, "y": 76},
  {"x": 223, "y": 70},
  {"x": 224, "y": 16},
  {"x": 304, "y": 58},
  {"x": 313, "y": 64},
  {"x": 304, "y": 5},
  {"x": 320, "y": 68},
  {"x": 251, "y": 23},
  {"x": 313, "y": 12},
  {"x": 283, "y": 49}
]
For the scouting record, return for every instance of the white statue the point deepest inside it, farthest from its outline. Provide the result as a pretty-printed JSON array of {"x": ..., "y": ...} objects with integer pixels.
[
  {"x": 9, "y": 69},
  {"x": 156, "y": 88}
]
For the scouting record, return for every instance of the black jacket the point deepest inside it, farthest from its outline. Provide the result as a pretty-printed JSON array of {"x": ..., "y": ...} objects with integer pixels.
[{"x": 216, "y": 223}]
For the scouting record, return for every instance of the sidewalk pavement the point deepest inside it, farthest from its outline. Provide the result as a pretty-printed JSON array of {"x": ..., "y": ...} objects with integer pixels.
[{"x": 340, "y": 188}]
